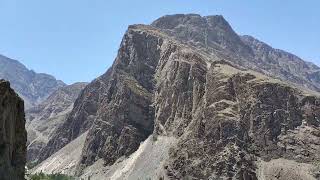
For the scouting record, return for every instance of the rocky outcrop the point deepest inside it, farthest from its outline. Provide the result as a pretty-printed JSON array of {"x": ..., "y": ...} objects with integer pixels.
[
  {"x": 32, "y": 87},
  {"x": 44, "y": 119},
  {"x": 192, "y": 79},
  {"x": 13, "y": 135}
]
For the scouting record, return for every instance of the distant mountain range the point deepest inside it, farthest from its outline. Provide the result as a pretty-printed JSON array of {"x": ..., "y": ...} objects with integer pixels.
[
  {"x": 47, "y": 102},
  {"x": 31, "y": 86}
]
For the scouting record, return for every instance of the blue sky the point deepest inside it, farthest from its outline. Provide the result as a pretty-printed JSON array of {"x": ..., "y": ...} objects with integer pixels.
[{"x": 77, "y": 40}]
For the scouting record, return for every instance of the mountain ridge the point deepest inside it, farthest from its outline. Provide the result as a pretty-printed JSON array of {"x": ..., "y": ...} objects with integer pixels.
[{"x": 242, "y": 53}]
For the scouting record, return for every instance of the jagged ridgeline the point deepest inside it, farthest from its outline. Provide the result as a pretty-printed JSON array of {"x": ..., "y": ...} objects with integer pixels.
[
  {"x": 31, "y": 86},
  {"x": 188, "y": 98}
]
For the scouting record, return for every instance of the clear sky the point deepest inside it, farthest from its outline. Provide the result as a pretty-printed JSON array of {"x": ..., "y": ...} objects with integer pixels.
[{"x": 77, "y": 40}]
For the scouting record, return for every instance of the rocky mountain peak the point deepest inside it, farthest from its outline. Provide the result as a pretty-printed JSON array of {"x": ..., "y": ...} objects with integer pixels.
[
  {"x": 195, "y": 20},
  {"x": 202, "y": 31}
]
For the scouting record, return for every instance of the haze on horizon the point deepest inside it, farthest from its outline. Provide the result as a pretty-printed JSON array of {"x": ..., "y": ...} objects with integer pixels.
[{"x": 78, "y": 40}]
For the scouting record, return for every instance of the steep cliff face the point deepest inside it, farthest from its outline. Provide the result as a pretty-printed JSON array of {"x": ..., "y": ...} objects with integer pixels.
[
  {"x": 200, "y": 100},
  {"x": 32, "y": 87},
  {"x": 44, "y": 119},
  {"x": 115, "y": 108},
  {"x": 227, "y": 119},
  {"x": 13, "y": 135}
]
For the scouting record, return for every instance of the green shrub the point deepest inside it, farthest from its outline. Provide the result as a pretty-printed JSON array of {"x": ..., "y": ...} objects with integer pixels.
[
  {"x": 32, "y": 164},
  {"x": 56, "y": 176}
]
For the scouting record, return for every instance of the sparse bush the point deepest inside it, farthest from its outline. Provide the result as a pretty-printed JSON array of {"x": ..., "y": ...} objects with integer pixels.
[
  {"x": 32, "y": 164},
  {"x": 56, "y": 176},
  {"x": 154, "y": 138}
]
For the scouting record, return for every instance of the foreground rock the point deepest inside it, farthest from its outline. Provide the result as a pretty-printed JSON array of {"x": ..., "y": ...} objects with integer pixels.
[
  {"x": 13, "y": 135},
  {"x": 215, "y": 112}
]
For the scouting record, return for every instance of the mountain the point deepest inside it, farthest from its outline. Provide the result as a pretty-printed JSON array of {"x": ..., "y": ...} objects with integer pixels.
[
  {"x": 48, "y": 102},
  {"x": 214, "y": 35},
  {"x": 13, "y": 135},
  {"x": 45, "y": 118},
  {"x": 188, "y": 98},
  {"x": 32, "y": 87}
]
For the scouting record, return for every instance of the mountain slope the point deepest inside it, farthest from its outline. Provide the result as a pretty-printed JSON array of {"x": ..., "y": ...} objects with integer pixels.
[
  {"x": 224, "y": 114},
  {"x": 45, "y": 118},
  {"x": 32, "y": 87}
]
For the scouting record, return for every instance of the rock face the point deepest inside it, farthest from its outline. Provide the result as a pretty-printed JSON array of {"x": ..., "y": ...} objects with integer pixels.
[
  {"x": 115, "y": 107},
  {"x": 13, "y": 135},
  {"x": 227, "y": 101},
  {"x": 45, "y": 118},
  {"x": 231, "y": 119},
  {"x": 65, "y": 160},
  {"x": 32, "y": 87}
]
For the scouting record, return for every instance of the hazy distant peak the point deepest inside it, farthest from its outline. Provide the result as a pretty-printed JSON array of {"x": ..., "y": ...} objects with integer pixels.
[{"x": 31, "y": 86}]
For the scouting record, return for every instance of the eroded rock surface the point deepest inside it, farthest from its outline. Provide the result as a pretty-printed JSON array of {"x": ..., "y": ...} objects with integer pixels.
[
  {"x": 232, "y": 118},
  {"x": 44, "y": 119},
  {"x": 226, "y": 101},
  {"x": 13, "y": 135}
]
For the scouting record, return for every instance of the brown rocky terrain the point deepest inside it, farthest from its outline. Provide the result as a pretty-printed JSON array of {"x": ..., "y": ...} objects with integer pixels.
[
  {"x": 13, "y": 135},
  {"x": 45, "y": 118},
  {"x": 222, "y": 106}
]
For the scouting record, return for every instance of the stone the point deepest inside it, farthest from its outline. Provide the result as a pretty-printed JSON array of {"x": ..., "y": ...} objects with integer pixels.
[{"x": 13, "y": 135}]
